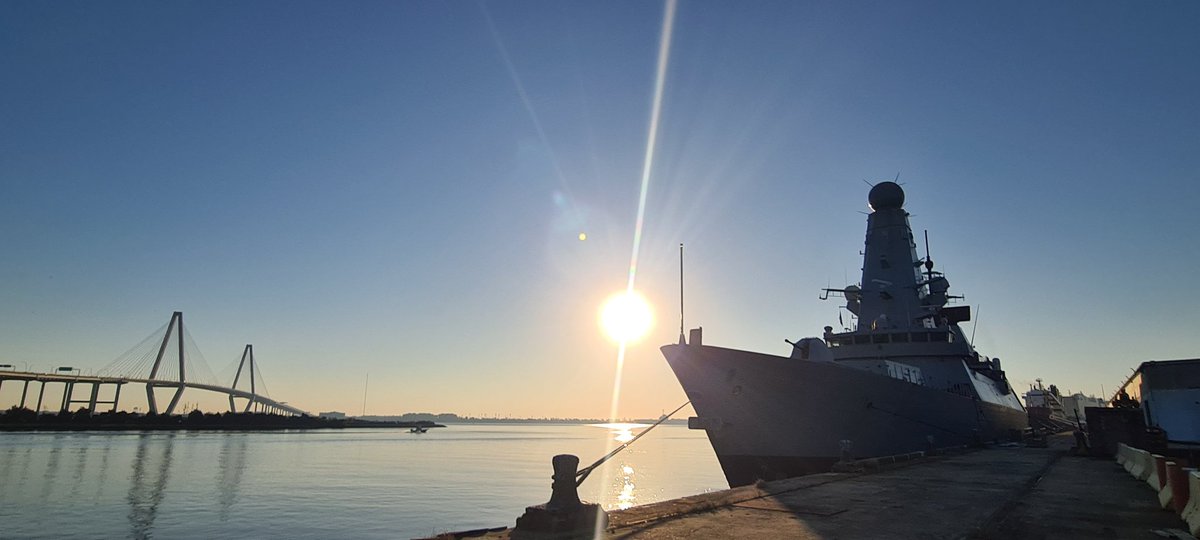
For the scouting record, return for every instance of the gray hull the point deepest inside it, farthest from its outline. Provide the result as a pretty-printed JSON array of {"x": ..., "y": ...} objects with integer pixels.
[{"x": 771, "y": 417}]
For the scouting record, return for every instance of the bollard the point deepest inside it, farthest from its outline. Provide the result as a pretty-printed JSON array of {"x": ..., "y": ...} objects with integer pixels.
[
  {"x": 564, "y": 494},
  {"x": 846, "y": 445},
  {"x": 846, "y": 463},
  {"x": 1081, "y": 443},
  {"x": 564, "y": 514}
]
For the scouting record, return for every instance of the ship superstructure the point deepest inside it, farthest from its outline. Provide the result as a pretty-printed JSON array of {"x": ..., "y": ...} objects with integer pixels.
[
  {"x": 1047, "y": 409},
  {"x": 904, "y": 378}
]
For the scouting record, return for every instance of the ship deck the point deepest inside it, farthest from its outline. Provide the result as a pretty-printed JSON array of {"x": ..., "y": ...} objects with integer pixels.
[{"x": 995, "y": 493}]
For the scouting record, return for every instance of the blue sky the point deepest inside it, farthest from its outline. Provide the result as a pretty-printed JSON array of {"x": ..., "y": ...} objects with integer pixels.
[{"x": 363, "y": 188}]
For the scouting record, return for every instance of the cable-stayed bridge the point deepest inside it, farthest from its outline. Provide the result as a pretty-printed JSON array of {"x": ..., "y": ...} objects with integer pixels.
[{"x": 168, "y": 358}]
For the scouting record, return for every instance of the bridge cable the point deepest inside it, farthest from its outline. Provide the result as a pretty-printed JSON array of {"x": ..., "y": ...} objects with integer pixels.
[
  {"x": 260, "y": 383},
  {"x": 195, "y": 362},
  {"x": 124, "y": 364}
]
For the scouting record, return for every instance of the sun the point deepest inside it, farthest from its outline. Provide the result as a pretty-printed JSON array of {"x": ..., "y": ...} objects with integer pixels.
[{"x": 626, "y": 317}]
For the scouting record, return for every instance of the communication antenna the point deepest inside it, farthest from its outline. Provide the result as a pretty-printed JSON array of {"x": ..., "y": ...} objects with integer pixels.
[
  {"x": 978, "y": 310},
  {"x": 681, "y": 340},
  {"x": 928, "y": 259}
]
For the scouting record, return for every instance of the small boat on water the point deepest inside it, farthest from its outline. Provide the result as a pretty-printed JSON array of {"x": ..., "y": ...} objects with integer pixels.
[
  {"x": 418, "y": 429},
  {"x": 905, "y": 379}
]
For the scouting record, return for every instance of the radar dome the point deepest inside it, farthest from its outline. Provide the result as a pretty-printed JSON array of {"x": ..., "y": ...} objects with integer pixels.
[{"x": 886, "y": 195}]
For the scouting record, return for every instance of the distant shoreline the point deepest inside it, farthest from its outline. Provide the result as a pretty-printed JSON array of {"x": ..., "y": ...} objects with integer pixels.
[
  {"x": 641, "y": 421},
  {"x": 451, "y": 418},
  {"x": 17, "y": 419},
  {"x": 27, "y": 420}
]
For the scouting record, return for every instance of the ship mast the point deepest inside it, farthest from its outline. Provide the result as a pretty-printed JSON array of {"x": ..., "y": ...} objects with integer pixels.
[
  {"x": 891, "y": 277},
  {"x": 681, "y": 340}
]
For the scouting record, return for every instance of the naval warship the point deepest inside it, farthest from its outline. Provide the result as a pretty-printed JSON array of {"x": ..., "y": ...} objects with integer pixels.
[{"x": 904, "y": 379}]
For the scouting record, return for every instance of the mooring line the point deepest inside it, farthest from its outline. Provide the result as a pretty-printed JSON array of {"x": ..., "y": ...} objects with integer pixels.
[{"x": 584, "y": 472}]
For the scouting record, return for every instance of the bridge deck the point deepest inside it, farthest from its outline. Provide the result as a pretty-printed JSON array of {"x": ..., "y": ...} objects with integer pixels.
[{"x": 93, "y": 379}]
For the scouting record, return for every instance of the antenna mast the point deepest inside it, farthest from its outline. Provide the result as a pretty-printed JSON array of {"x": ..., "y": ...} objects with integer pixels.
[
  {"x": 928, "y": 259},
  {"x": 681, "y": 340},
  {"x": 975, "y": 326}
]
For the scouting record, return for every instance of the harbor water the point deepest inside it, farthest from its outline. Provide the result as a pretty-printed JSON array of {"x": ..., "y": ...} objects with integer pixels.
[{"x": 362, "y": 483}]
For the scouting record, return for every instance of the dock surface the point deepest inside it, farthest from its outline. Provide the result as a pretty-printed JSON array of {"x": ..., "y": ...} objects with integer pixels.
[{"x": 1005, "y": 492}]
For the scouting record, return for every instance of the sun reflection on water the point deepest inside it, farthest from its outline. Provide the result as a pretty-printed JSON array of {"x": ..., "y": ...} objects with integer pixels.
[
  {"x": 626, "y": 498},
  {"x": 621, "y": 432},
  {"x": 620, "y": 491}
]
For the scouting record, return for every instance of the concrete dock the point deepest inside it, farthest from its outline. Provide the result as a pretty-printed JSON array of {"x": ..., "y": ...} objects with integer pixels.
[{"x": 1004, "y": 492}]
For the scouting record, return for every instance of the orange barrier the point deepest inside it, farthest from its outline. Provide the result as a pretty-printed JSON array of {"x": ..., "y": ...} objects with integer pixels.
[
  {"x": 1166, "y": 495},
  {"x": 1177, "y": 485}
]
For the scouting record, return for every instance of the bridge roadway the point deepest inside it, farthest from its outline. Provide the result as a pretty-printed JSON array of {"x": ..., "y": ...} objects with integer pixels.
[{"x": 96, "y": 381}]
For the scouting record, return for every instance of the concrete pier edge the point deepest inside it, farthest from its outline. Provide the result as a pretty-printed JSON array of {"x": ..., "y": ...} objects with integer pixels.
[{"x": 989, "y": 494}]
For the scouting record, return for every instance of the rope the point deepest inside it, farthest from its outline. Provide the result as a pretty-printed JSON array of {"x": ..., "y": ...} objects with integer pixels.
[{"x": 584, "y": 472}]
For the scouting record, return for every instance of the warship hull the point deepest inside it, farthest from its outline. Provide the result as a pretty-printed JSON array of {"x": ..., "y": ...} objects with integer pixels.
[{"x": 769, "y": 417}]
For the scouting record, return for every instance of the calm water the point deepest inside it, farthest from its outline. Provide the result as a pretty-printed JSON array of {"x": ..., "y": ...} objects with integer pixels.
[{"x": 324, "y": 484}]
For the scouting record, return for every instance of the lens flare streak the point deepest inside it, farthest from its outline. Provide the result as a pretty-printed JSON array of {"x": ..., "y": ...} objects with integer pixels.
[
  {"x": 533, "y": 115},
  {"x": 660, "y": 75}
]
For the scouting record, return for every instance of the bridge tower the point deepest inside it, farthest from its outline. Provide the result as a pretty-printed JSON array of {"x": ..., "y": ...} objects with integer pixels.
[
  {"x": 248, "y": 352},
  {"x": 176, "y": 326}
]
